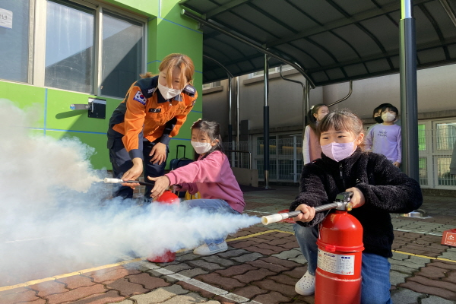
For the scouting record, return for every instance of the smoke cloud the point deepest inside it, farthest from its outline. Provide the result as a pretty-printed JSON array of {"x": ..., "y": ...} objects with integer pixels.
[{"x": 56, "y": 215}]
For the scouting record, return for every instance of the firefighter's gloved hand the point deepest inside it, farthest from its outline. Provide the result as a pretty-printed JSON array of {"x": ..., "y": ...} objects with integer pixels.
[
  {"x": 307, "y": 213},
  {"x": 357, "y": 199}
]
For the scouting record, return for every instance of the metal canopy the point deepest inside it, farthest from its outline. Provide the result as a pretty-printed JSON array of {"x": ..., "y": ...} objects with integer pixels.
[{"x": 332, "y": 40}]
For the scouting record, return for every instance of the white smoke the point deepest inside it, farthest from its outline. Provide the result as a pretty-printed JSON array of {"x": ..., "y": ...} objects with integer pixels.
[{"x": 56, "y": 215}]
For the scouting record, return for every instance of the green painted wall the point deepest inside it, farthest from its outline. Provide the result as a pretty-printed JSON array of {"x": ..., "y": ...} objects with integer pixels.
[{"x": 168, "y": 32}]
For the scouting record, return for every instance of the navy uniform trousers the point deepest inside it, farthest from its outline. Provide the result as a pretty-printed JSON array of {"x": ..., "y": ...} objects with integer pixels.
[{"x": 121, "y": 163}]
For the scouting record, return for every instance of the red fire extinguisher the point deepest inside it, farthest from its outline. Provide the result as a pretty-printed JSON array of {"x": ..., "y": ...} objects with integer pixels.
[
  {"x": 340, "y": 246},
  {"x": 166, "y": 198}
]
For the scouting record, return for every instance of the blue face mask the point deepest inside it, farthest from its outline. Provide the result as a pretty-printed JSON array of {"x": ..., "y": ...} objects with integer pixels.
[{"x": 337, "y": 151}]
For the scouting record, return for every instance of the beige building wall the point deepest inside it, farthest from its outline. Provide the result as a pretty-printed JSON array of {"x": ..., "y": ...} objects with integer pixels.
[{"x": 436, "y": 98}]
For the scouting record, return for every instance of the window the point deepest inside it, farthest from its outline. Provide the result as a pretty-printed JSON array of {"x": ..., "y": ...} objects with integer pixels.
[
  {"x": 285, "y": 67},
  {"x": 78, "y": 45},
  {"x": 211, "y": 85},
  {"x": 122, "y": 54},
  {"x": 285, "y": 157},
  {"x": 14, "y": 37},
  {"x": 69, "y": 47},
  {"x": 72, "y": 48},
  {"x": 436, "y": 140}
]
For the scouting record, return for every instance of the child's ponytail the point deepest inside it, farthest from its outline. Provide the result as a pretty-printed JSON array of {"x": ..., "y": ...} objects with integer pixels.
[{"x": 310, "y": 115}]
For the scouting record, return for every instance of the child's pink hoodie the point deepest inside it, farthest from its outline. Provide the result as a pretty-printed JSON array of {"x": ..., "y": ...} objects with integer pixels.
[{"x": 212, "y": 177}]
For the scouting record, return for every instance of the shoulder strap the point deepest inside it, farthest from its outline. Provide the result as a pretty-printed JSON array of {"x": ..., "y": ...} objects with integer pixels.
[{"x": 148, "y": 86}]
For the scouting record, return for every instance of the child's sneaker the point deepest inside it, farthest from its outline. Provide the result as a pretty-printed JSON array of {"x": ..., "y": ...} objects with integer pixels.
[
  {"x": 306, "y": 285},
  {"x": 211, "y": 249}
]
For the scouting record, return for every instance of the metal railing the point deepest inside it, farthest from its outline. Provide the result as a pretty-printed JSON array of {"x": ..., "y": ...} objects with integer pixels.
[{"x": 238, "y": 161}]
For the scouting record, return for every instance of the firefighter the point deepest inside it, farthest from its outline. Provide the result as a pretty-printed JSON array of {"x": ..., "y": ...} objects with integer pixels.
[{"x": 153, "y": 111}]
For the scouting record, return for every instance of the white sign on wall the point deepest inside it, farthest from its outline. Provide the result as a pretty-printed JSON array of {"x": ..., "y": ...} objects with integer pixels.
[{"x": 6, "y": 18}]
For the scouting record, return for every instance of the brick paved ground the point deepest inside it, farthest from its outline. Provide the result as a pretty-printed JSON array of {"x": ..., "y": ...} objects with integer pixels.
[{"x": 261, "y": 266}]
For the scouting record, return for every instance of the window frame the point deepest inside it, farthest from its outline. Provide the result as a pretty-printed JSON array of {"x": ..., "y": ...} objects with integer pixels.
[
  {"x": 431, "y": 153},
  {"x": 38, "y": 41}
]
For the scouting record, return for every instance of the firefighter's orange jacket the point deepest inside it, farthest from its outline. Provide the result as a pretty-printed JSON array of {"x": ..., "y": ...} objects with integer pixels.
[{"x": 145, "y": 113}]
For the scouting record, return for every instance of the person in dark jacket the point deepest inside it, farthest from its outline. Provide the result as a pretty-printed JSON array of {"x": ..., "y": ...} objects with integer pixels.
[{"x": 379, "y": 188}]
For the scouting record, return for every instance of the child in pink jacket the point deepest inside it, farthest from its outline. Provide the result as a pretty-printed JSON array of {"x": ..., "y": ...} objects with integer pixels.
[{"x": 211, "y": 175}]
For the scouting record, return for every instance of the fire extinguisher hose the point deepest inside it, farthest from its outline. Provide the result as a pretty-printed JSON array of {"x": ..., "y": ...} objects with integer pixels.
[
  {"x": 273, "y": 218},
  {"x": 120, "y": 181}
]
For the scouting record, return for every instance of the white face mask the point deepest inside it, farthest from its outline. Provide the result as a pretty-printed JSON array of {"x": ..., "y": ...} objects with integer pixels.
[
  {"x": 200, "y": 147},
  {"x": 388, "y": 117},
  {"x": 168, "y": 93}
]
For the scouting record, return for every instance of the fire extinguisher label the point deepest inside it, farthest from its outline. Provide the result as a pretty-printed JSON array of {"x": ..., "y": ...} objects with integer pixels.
[{"x": 336, "y": 263}]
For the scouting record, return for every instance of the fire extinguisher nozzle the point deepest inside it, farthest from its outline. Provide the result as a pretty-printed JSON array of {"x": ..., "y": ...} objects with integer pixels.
[
  {"x": 113, "y": 181},
  {"x": 265, "y": 220}
]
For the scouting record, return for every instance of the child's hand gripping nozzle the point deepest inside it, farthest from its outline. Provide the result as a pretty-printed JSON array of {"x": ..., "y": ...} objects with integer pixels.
[
  {"x": 342, "y": 202},
  {"x": 340, "y": 246}
]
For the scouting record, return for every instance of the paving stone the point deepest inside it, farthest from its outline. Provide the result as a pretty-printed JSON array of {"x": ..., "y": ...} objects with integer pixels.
[
  {"x": 264, "y": 251},
  {"x": 278, "y": 261},
  {"x": 215, "y": 279},
  {"x": 205, "y": 265},
  {"x": 160, "y": 295},
  {"x": 187, "y": 257},
  {"x": 408, "y": 263},
  {"x": 405, "y": 296},
  {"x": 432, "y": 272},
  {"x": 300, "y": 260},
  {"x": 126, "y": 288},
  {"x": 233, "y": 253},
  {"x": 124, "y": 302},
  {"x": 289, "y": 254},
  {"x": 403, "y": 269},
  {"x": 444, "y": 265},
  {"x": 450, "y": 255},
  {"x": 110, "y": 274},
  {"x": 243, "y": 244},
  {"x": 249, "y": 291},
  {"x": 18, "y": 295},
  {"x": 279, "y": 241},
  {"x": 296, "y": 273},
  {"x": 399, "y": 256},
  {"x": 40, "y": 301},
  {"x": 146, "y": 265},
  {"x": 103, "y": 298},
  {"x": 147, "y": 281},
  {"x": 440, "y": 292},
  {"x": 207, "y": 287},
  {"x": 232, "y": 298},
  {"x": 397, "y": 277},
  {"x": 178, "y": 267},
  {"x": 290, "y": 245},
  {"x": 248, "y": 257},
  {"x": 254, "y": 275},
  {"x": 272, "y": 298},
  {"x": 286, "y": 290},
  {"x": 47, "y": 288},
  {"x": 436, "y": 300},
  {"x": 76, "y": 281},
  {"x": 271, "y": 266},
  {"x": 193, "y": 272},
  {"x": 236, "y": 270},
  {"x": 284, "y": 279},
  {"x": 194, "y": 288},
  {"x": 76, "y": 294},
  {"x": 216, "y": 259},
  {"x": 188, "y": 298},
  {"x": 433, "y": 283},
  {"x": 306, "y": 299}
]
